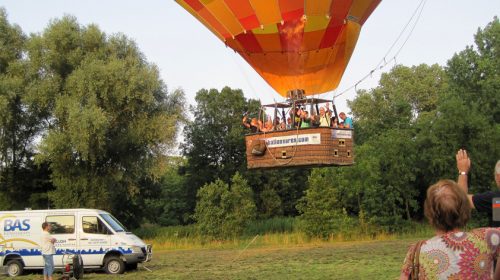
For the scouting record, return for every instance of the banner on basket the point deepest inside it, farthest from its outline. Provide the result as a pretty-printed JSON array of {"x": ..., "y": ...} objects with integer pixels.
[{"x": 300, "y": 139}]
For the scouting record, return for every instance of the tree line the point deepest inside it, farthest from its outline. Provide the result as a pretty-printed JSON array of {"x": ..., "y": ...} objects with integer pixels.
[{"x": 86, "y": 121}]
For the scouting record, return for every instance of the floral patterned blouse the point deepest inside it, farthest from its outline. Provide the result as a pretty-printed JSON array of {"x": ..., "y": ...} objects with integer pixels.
[{"x": 458, "y": 255}]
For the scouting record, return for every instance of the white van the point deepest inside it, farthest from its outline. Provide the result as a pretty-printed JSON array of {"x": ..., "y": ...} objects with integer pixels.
[{"x": 101, "y": 240}]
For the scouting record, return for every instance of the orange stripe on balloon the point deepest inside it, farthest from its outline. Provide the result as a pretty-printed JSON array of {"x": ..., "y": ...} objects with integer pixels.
[
  {"x": 268, "y": 11},
  {"x": 214, "y": 23},
  {"x": 269, "y": 42},
  {"x": 225, "y": 17},
  {"x": 198, "y": 17},
  {"x": 244, "y": 12},
  {"x": 312, "y": 40},
  {"x": 360, "y": 8},
  {"x": 317, "y": 8},
  {"x": 369, "y": 11}
]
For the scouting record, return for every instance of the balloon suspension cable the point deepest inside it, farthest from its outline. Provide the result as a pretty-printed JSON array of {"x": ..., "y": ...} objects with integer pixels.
[
  {"x": 275, "y": 114},
  {"x": 291, "y": 158},
  {"x": 245, "y": 76},
  {"x": 384, "y": 62},
  {"x": 260, "y": 111}
]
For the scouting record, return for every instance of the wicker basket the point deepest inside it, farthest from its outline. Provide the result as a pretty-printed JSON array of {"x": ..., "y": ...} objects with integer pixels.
[{"x": 306, "y": 147}]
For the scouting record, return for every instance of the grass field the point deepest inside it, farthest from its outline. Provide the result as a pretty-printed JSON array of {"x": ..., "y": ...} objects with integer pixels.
[{"x": 322, "y": 260}]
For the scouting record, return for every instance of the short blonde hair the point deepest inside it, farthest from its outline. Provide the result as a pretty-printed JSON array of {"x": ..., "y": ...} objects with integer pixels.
[
  {"x": 497, "y": 167},
  {"x": 447, "y": 206}
]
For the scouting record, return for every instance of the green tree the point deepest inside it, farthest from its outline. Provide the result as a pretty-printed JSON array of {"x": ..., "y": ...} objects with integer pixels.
[
  {"x": 471, "y": 109},
  {"x": 466, "y": 115},
  {"x": 270, "y": 203},
  {"x": 223, "y": 211},
  {"x": 168, "y": 205},
  {"x": 214, "y": 140},
  {"x": 389, "y": 119},
  {"x": 404, "y": 95},
  {"x": 382, "y": 186},
  {"x": 475, "y": 72},
  {"x": 393, "y": 195},
  {"x": 110, "y": 119},
  {"x": 320, "y": 208},
  {"x": 22, "y": 183},
  {"x": 288, "y": 184}
]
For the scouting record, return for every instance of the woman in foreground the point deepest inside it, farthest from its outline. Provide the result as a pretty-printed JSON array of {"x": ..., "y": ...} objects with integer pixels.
[{"x": 453, "y": 253}]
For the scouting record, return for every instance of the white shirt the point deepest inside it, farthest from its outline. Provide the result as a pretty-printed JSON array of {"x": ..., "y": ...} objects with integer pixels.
[
  {"x": 47, "y": 246},
  {"x": 324, "y": 121}
]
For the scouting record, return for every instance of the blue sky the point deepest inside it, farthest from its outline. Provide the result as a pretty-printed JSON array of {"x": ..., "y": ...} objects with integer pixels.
[{"x": 190, "y": 57}]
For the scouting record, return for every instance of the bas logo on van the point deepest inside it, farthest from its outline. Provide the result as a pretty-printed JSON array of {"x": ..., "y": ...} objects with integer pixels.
[{"x": 13, "y": 225}]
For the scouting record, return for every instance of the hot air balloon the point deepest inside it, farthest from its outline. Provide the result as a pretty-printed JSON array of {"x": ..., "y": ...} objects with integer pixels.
[{"x": 300, "y": 48}]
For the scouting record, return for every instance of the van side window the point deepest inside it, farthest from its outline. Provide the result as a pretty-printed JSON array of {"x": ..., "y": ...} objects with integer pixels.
[
  {"x": 92, "y": 224},
  {"x": 61, "y": 224}
]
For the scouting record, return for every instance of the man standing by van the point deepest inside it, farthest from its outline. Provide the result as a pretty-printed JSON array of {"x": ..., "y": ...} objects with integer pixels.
[{"x": 48, "y": 250}]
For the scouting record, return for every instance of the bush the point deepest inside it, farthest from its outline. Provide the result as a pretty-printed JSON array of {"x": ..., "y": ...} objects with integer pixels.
[
  {"x": 321, "y": 213},
  {"x": 270, "y": 203},
  {"x": 223, "y": 212}
]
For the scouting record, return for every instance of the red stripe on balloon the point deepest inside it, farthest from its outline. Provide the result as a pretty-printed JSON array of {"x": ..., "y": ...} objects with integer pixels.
[
  {"x": 249, "y": 42},
  {"x": 195, "y": 4},
  {"x": 330, "y": 37}
]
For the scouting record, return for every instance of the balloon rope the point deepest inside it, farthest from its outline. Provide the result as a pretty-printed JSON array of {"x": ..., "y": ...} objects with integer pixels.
[
  {"x": 384, "y": 62},
  {"x": 240, "y": 68}
]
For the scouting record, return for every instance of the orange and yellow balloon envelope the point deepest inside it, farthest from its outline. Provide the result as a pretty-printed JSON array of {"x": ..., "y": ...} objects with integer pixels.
[{"x": 292, "y": 44}]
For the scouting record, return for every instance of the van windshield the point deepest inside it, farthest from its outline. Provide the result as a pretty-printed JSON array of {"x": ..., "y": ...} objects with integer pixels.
[{"x": 113, "y": 222}]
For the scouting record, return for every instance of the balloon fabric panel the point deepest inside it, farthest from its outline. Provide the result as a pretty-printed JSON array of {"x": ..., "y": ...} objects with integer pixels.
[{"x": 292, "y": 44}]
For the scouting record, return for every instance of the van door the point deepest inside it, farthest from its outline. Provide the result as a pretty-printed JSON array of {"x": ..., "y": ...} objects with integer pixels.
[
  {"x": 95, "y": 239},
  {"x": 63, "y": 230}
]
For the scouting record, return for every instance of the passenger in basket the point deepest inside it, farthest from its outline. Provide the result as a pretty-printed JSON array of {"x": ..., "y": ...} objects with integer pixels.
[
  {"x": 314, "y": 120},
  {"x": 305, "y": 120},
  {"x": 282, "y": 126},
  {"x": 335, "y": 122},
  {"x": 277, "y": 122},
  {"x": 253, "y": 125},
  {"x": 289, "y": 123},
  {"x": 324, "y": 117},
  {"x": 346, "y": 121},
  {"x": 296, "y": 114},
  {"x": 452, "y": 253},
  {"x": 48, "y": 251},
  {"x": 268, "y": 126}
]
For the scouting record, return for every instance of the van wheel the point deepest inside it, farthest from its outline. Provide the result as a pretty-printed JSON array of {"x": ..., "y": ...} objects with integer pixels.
[
  {"x": 14, "y": 268},
  {"x": 114, "y": 265}
]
